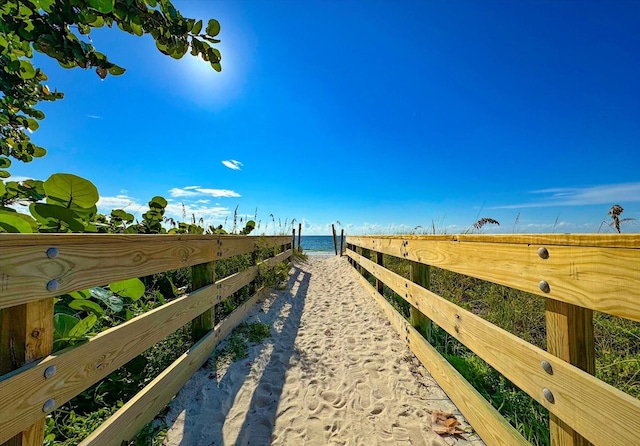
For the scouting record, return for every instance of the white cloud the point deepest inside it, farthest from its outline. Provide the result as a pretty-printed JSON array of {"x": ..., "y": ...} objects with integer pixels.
[
  {"x": 177, "y": 192},
  {"x": 219, "y": 193},
  {"x": 232, "y": 164},
  {"x": 195, "y": 191},
  {"x": 94, "y": 116},
  {"x": 576, "y": 196},
  {"x": 130, "y": 204},
  {"x": 209, "y": 214},
  {"x": 212, "y": 215}
]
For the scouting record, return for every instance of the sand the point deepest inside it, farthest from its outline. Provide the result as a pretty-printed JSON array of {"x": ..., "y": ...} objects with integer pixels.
[{"x": 333, "y": 373}]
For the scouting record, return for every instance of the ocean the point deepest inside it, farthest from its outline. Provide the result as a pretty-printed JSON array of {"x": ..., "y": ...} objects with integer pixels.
[{"x": 318, "y": 244}]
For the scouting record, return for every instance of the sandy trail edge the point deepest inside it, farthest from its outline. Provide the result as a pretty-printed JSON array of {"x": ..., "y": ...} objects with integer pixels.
[{"x": 334, "y": 372}]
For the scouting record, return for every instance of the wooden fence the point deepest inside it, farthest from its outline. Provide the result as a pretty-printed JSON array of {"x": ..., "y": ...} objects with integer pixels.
[
  {"x": 575, "y": 274},
  {"x": 34, "y": 268}
]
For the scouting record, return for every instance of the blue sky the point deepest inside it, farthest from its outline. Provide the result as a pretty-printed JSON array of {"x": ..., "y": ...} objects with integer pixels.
[{"x": 381, "y": 115}]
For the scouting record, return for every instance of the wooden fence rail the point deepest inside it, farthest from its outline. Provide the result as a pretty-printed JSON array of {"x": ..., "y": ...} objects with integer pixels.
[
  {"x": 576, "y": 275},
  {"x": 36, "y": 268}
]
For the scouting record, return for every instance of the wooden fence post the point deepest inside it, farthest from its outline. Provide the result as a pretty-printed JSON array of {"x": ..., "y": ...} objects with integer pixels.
[
  {"x": 26, "y": 334},
  {"x": 341, "y": 242},
  {"x": 569, "y": 337},
  {"x": 299, "y": 236},
  {"x": 364, "y": 253},
  {"x": 379, "y": 284},
  {"x": 420, "y": 274},
  {"x": 335, "y": 238},
  {"x": 202, "y": 275},
  {"x": 293, "y": 241}
]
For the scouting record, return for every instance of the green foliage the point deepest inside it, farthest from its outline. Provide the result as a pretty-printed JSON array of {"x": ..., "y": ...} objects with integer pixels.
[
  {"x": 58, "y": 29},
  {"x": 237, "y": 346}
]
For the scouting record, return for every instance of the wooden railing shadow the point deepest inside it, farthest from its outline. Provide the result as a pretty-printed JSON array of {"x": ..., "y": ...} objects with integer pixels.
[{"x": 218, "y": 400}]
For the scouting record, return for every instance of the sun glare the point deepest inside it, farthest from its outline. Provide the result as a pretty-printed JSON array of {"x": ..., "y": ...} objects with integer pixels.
[{"x": 203, "y": 84}]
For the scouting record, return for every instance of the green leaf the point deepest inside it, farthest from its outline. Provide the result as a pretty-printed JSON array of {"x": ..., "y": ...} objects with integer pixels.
[
  {"x": 197, "y": 27},
  {"x": 84, "y": 294},
  {"x": 131, "y": 288},
  {"x": 104, "y": 6},
  {"x": 122, "y": 215},
  {"x": 67, "y": 189},
  {"x": 214, "y": 55},
  {"x": 114, "y": 303},
  {"x": 26, "y": 70},
  {"x": 15, "y": 222},
  {"x": 137, "y": 29},
  {"x": 33, "y": 124},
  {"x": 86, "y": 305},
  {"x": 4, "y": 174},
  {"x": 45, "y": 4},
  {"x": 3, "y": 189},
  {"x": 48, "y": 214},
  {"x": 158, "y": 202},
  {"x": 83, "y": 327},
  {"x": 116, "y": 70},
  {"x": 4, "y": 162},
  {"x": 216, "y": 66},
  {"x": 39, "y": 152},
  {"x": 213, "y": 28},
  {"x": 63, "y": 324}
]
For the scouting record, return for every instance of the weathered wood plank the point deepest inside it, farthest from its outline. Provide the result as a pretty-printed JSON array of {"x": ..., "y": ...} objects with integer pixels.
[
  {"x": 569, "y": 337},
  {"x": 142, "y": 408},
  {"x": 599, "y": 278},
  {"x": 585, "y": 240},
  {"x": 420, "y": 274},
  {"x": 485, "y": 419},
  {"x": 26, "y": 335},
  {"x": 582, "y": 401},
  {"x": 86, "y": 260},
  {"x": 202, "y": 275},
  {"x": 379, "y": 283},
  {"x": 23, "y": 391}
]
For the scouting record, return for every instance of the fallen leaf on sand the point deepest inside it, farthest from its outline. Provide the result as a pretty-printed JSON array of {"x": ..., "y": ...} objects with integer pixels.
[{"x": 443, "y": 423}]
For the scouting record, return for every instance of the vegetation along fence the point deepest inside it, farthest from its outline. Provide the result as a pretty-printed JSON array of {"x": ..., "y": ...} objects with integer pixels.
[
  {"x": 575, "y": 274},
  {"x": 34, "y": 269}
]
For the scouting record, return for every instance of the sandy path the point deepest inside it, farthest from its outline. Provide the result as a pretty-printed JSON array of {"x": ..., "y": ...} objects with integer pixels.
[{"x": 334, "y": 372}]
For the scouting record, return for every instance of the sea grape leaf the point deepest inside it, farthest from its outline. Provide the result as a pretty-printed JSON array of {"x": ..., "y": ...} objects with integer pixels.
[
  {"x": 84, "y": 294},
  {"x": 62, "y": 325},
  {"x": 15, "y": 222},
  {"x": 114, "y": 303},
  {"x": 66, "y": 189},
  {"x": 131, "y": 288},
  {"x": 83, "y": 327},
  {"x": 197, "y": 27},
  {"x": 104, "y": 6},
  {"x": 86, "y": 305},
  {"x": 50, "y": 214},
  {"x": 213, "y": 28},
  {"x": 158, "y": 202}
]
